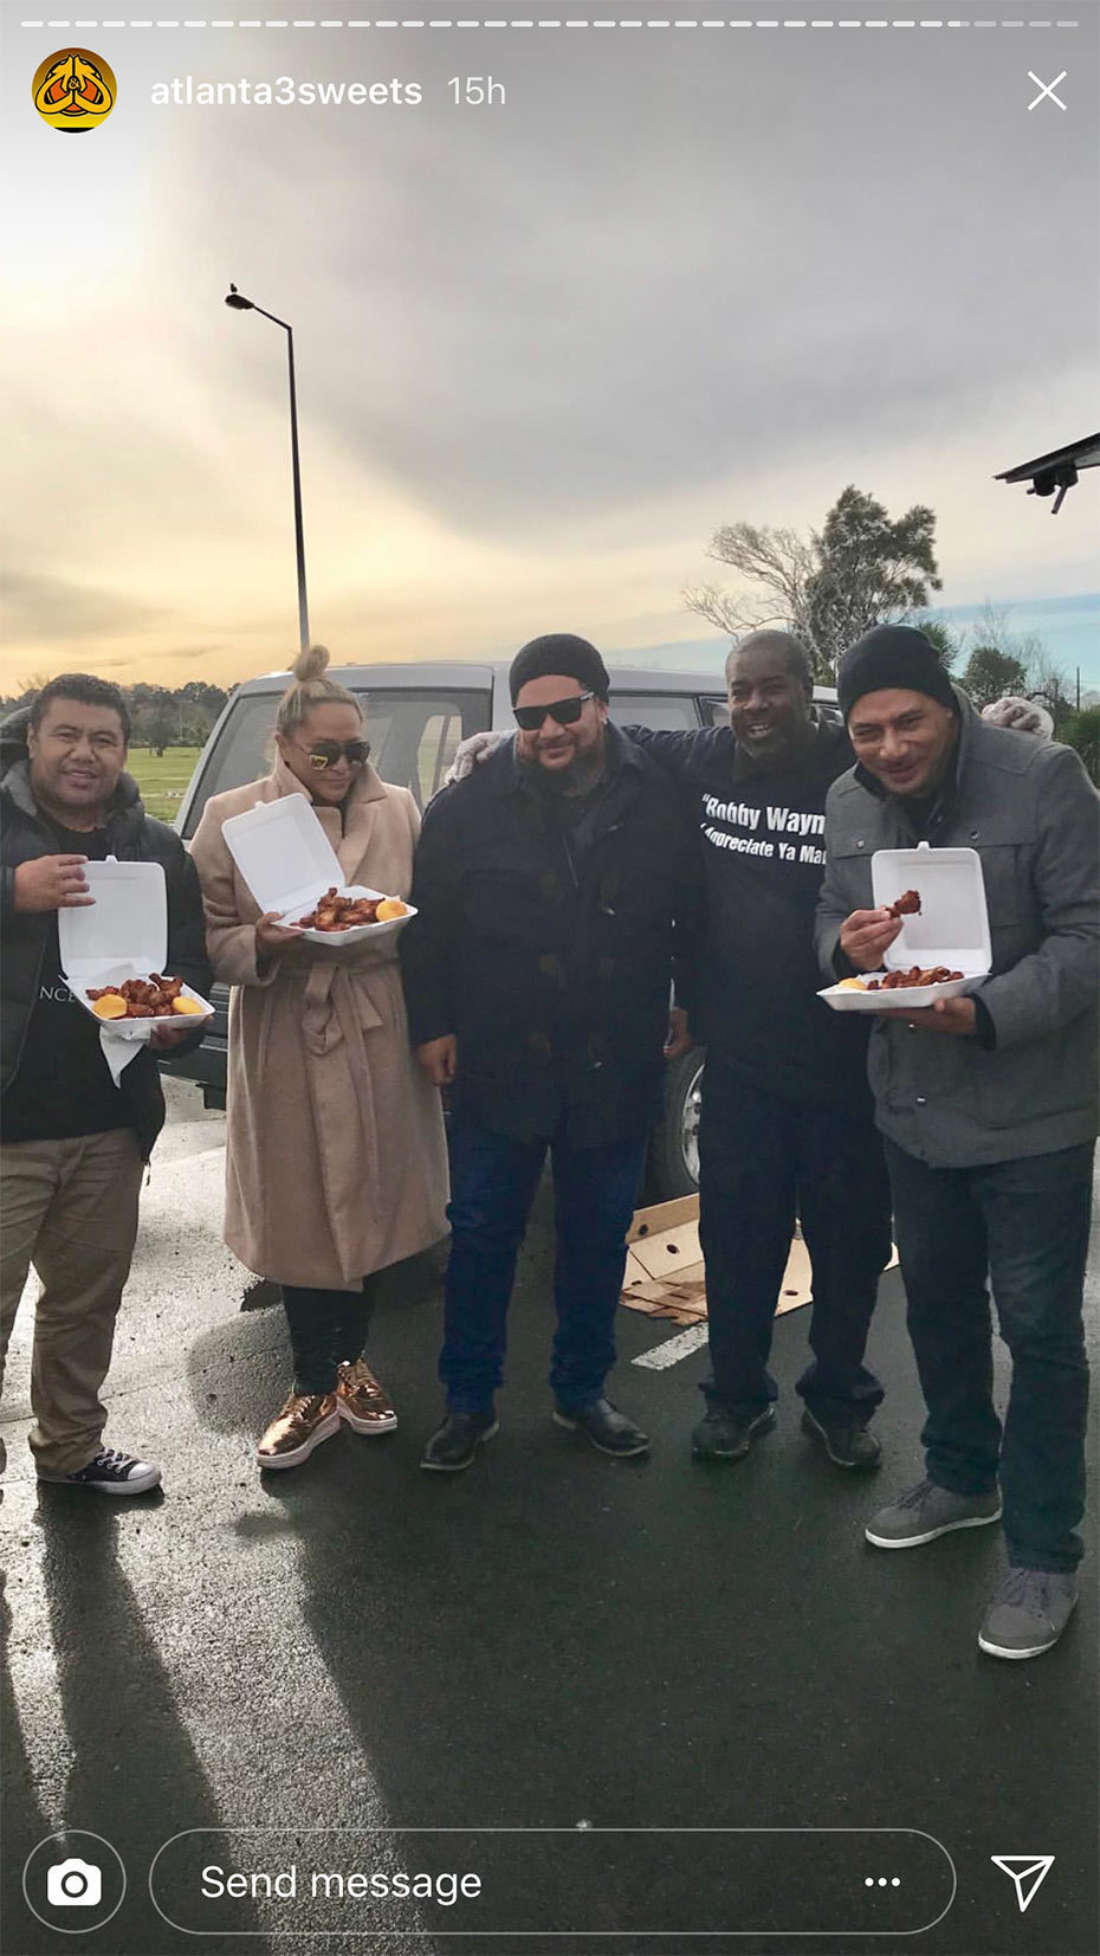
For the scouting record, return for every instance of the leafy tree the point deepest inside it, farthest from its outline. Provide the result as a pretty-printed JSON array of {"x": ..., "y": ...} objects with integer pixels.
[
  {"x": 861, "y": 569},
  {"x": 161, "y": 718},
  {"x": 871, "y": 571},
  {"x": 990, "y": 674},
  {"x": 939, "y": 635},
  {"x": 1041, "y": 679},
  {"x": 1082, "y": 732}
]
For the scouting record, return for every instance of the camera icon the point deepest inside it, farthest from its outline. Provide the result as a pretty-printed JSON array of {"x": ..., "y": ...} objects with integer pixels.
[{"x": 74, "y": 1884}]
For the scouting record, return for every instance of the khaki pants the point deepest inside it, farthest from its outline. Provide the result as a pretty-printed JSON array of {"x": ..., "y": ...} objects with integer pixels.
[{"x": 71, "y": 1209}]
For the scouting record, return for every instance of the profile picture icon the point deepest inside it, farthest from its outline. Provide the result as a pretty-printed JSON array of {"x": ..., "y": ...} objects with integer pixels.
[
  {"x": 74, "y": 90},
  {"x": 74, "y": 1884}
]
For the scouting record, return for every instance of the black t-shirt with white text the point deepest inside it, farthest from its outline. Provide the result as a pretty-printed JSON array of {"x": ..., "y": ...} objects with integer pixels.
[
  {"x": 762, "y": 830},
  {"x": 63, "y": 1086}
]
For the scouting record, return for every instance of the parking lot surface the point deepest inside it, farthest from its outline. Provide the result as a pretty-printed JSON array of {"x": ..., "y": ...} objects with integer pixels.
[{"x": 602, "y": 1657}]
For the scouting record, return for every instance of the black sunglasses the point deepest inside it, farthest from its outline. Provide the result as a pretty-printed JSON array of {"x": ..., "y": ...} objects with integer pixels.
[
  {"x": 329, "y": 753},
  {"x": 565, "y": 712}
]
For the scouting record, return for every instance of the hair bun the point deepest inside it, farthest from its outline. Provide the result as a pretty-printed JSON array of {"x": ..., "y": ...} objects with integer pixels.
[{"x": 311, "y": 663}]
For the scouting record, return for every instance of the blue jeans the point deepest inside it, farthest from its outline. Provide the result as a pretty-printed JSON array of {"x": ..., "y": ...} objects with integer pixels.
[
  {"x": 1024, "y": 1227},
  {"x": 761, "y": 1158},
  {"x": 493, "y": 1183}
]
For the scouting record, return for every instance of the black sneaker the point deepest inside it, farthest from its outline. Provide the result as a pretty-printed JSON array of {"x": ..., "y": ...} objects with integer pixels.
[
  {"x": 455, "y": 1443},
  {"x": 606, "y": 1427},
  {"x": 847, "y": 1443},
  {"x": 111, "y": 1472},
  {"x": 727, "y": 1433}
]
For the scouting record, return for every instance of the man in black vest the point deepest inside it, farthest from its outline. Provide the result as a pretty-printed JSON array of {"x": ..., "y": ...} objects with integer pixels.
[
  {"x": 554, "y": 888},
  {"x": 73, "y": 1143}
]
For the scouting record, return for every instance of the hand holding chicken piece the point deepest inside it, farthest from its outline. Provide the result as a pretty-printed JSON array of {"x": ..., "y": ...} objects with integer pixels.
[{"x": 866, "y": 936}]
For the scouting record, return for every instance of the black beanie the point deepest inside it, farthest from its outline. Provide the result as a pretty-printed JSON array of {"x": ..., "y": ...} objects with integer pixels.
[
  {"x": 891, "y": 656},
  {"x": 559, "y": 652}
]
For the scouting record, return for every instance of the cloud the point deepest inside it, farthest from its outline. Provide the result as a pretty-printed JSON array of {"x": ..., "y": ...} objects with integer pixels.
[
  {"x": 543, "y": 351},
  {"x": 43, "y": 608},
  {"x": 654, "y": 272}
]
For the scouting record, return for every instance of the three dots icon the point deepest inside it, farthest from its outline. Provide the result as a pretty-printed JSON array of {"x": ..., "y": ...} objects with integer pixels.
[{"x": 882, "y": 1881}]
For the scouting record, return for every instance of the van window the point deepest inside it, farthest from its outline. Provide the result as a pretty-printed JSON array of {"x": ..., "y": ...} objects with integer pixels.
[
  {"x": 437, "y": 749},
  {"x": 663, "y": 712},
  {"x": 413, "y": 736}
]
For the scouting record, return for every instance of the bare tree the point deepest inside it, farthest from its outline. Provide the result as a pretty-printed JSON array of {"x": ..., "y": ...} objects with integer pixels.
[
  {"x": 859, "y": 570},
  {"x": 34, "y": 682},
  {"x": 1046, "y": 679},
  {"x": 779, "y": 561}
]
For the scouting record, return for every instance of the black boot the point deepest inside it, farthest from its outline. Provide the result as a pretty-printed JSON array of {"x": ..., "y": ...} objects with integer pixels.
[
  {"x": 455, "y": 1443},
  {"x": 606, "y": 1427}
]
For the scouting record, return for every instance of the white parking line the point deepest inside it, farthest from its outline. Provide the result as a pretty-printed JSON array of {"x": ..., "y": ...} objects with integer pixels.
[{"x": 674, "y": 1349}]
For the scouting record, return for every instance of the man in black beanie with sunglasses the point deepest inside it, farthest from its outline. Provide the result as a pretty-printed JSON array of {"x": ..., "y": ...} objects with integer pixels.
[
  {"x": 555, "y": 891},
  {"x": 988, "y": 1106}
]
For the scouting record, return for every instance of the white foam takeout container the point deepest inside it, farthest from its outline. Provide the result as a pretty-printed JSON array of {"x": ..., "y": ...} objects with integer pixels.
[
  {"x": 123, "y": 934},
  {"x": 952, "y": 928},
  {"x": 288, "y": 863}
]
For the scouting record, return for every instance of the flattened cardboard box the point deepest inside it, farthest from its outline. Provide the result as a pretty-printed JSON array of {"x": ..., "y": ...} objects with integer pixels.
[{"x": 665, "y": 1276}]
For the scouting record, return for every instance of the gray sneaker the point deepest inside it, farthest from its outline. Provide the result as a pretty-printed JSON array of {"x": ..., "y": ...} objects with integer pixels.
[
  {"x": 1029, "y": 1613},
  {"x": 925, "y": 1511}
]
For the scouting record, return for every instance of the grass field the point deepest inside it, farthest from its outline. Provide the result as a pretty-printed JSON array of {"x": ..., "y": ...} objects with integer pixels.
[{"x": 162, "y": 778}]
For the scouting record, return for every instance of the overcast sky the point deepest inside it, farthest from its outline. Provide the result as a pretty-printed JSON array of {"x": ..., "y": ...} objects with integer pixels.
[{"x": 679, "y": 278}]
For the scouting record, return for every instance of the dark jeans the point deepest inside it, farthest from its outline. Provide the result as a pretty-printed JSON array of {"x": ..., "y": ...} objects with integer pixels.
[
  {"x": 761, "y": 1160},
  {"x": 493, "y": 1183},
  {"x": 326, "y": 1327},
  {"x": 1024, "y": 1226}
]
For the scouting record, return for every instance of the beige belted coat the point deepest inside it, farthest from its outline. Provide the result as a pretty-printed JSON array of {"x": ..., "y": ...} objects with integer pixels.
[{"x": 336, "y": 1162}]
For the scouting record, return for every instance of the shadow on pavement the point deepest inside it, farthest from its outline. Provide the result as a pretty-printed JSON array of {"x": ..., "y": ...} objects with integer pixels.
[{"x": 132, "y": 1763}]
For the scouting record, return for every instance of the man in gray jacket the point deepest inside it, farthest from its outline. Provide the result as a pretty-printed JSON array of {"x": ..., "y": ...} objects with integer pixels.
[{"x": 988, "y": 1108}]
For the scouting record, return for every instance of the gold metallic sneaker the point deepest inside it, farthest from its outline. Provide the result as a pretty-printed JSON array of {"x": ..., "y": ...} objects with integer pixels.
[
  {"x": 301, "y": 1424},
  {"x": 361, "y": 1401}
]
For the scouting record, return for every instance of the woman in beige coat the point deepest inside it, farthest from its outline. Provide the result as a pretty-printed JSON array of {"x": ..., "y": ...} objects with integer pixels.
[{"x": 336, "y": 1162}]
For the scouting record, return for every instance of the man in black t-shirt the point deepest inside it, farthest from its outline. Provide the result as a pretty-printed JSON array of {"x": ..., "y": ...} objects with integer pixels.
[
  {"x": 787, "y": 1123},
  {"x": 72, "y": 1143}
]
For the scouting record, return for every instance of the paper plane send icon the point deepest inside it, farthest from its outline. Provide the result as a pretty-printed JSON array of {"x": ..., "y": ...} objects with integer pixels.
[{"x": 1028, "y": 1871}]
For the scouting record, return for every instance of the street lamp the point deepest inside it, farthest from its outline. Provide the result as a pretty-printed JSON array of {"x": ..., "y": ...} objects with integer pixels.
[{"x": 241, "y": 304}]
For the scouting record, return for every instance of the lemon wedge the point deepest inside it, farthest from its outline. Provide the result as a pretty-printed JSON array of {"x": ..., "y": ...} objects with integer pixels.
[{"x": 110, "y": 1006}]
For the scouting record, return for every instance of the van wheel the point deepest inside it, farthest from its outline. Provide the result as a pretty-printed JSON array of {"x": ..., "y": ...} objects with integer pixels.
[{"x": 673, "y": 1166}]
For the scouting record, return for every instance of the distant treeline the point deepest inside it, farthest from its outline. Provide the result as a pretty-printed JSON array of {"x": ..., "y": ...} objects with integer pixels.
[{"x": 161, "y": 718}]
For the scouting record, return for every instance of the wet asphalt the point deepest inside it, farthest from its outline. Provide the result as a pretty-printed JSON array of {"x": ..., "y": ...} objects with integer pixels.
[{"x": 602, "y": 1658}]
